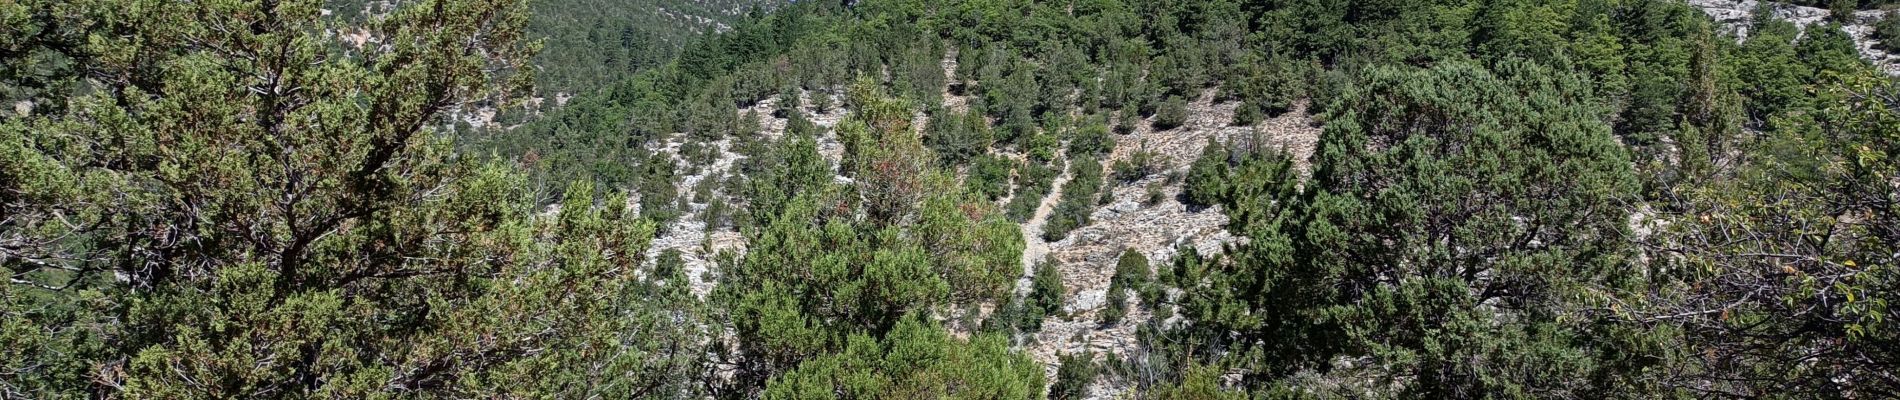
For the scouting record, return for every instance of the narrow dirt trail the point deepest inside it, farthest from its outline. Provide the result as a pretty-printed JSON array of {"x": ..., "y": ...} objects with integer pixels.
[{"x": 1034, "y": 248}]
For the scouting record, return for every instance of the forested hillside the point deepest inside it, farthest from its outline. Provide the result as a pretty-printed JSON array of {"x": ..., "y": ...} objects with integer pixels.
[
  {"x": 589, "y": 43},
  {"x": 981, "y": 199}
]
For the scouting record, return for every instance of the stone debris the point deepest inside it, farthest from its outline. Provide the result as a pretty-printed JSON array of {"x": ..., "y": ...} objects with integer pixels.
[
  {"x": 1293, "y": 132},
  {"x": 690, "y": 233},
  {"x": 773, "y": 127},
  {"x": 1087, "y": 257}
]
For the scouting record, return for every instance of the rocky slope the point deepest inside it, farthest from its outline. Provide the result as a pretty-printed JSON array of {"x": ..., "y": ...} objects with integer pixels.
[
  {"x": 1086, "y": 257},
  {"x": 1736, "y": 15},
  {"x": 1158, "y": 230},
  {"x": 699, "y": 242}
]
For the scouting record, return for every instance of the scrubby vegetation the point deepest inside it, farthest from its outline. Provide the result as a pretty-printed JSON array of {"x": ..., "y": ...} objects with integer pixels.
[
  {"x": 1567, "y": 199},
  {"x": 1078, "y": 201},
  {"x": 1887, "y": 32}
]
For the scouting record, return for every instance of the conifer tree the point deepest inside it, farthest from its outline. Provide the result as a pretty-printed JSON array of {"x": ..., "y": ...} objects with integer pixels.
[{"x": 271, "y": 212}]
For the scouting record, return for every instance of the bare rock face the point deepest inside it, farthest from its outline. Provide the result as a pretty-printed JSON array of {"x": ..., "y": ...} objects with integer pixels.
[
  {"x": 1863, "y": 32},
  {"x": 1736, "y": 15}
]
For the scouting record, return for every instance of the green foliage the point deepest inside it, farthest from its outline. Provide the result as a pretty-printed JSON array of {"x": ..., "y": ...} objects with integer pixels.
[
  {"x": 919, "y": 75},
  {"x": 1770, "y": 71},
  {"x": 1172, "y": 113},
  {"x": 989, "y": 176},
  {"x": 1033, "y": 182},
  {"x": 1132, "y": 273},
  {"x": 1600, "y": 51},
  {"x": 792, "y": 169},
  {"x": 1887, "y": 32},
  {"x": 1042, "y": 145},
  {"x": 585, "y": 43},
  {"x": 1046, "y": 290},
  {"x": 303, "y": 232},
  {"x": 1757, "y": 283},
  {"x": 1078, "y": 199},
  {"x": 659, "y": 197},
  {"x": 976, "y": 252},
  {"x": 1012, "y": 317},
  {"x": 780, "y": 319},
  {"x": 1127, "y": 120},
  {"x": 1025, "y": 314},
  {"x": 1154, "y": 195},
  {"x": 1464, "y": 231},
  {"x": 602, "y": 134},
  {"x": 591, "y": 42},
  {"x": 40, "y": 70},
  {"x": 1012, "y": 101},
  {"x": 1828, "y": 50},
  {"x": 1248, "y": 114},
  {"x": 958, "y": 139},
  {"x": 917, "y": 359},
  {"x": 822, "y": 102},
  {"x": 1841, "y": 11},
  {"x": 1073, "y": 376},
  {"x": 1319, "y": 277},
  {"x": 669, "y": 264},
  {"x": 834, "y": 269},
  {"x": 1206, "y": 182},
  {"x": 1266, "y": 88},
  {"x": 1092, "y": 139},
  {"x": 191, "y": 211},
  {"x": 1200, "y": 383},
  {"x": 1139, "y": 165}
]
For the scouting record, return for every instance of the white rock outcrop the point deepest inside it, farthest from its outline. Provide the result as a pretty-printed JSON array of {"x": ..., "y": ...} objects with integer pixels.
[{"x": 1737, "y": 15}]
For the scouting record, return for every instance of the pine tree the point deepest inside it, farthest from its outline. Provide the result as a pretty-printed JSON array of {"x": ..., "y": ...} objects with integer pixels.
[
  {"x": 1172, "y": 114},
  {"x": 1207, "y": 178},
  {"x": 279, "y": 218},
  {"x": 1046, "y": 290},
  {"x": 1073, "y": 376},
  {"x": 1320, "y": 275},
  {"x": 1132, "y": 274}
]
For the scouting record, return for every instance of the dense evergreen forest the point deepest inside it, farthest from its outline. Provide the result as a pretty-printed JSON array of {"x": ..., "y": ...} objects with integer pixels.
[{"x": 1502, "y": 199}]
